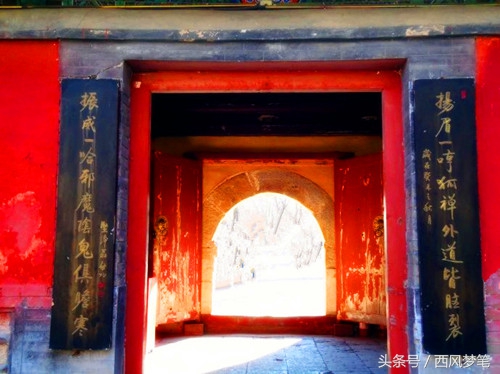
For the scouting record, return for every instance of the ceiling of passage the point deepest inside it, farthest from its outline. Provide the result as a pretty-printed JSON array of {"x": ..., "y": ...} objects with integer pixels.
[
  {"x": 258, "y": 114},
  {"x": 301, "y": 122}
]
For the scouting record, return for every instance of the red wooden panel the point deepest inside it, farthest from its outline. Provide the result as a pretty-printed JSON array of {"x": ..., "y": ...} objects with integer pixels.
[
  {"x": 360, "y": 239},
  {"x": 176, "y": 242}
]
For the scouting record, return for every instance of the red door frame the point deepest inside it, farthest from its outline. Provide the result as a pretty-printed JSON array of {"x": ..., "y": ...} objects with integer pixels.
[{"x": 273, "y": 79}]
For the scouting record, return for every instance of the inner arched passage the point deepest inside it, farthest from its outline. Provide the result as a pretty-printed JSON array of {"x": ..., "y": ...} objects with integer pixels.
[
  {"x": 270, "y": 260},
  {"x": 241, "y": 186}
]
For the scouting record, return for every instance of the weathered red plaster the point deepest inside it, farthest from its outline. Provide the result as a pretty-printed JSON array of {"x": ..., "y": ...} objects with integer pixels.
[
  {"x": 359, "y": 234},
  {"x": 176, "y": 244},
  {"x": 488, "y": 152},
  {"x": 488, "y": 157},
  {"x": 20, "y": 221},
  {"x": 29, "y": 136}
]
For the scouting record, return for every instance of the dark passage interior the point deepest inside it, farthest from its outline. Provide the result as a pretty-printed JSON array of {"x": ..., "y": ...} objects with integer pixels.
[
  {"x": 266, "y": 114},
  {"x": 310, "y": 125},
  {"x": 190, "y": 126}
]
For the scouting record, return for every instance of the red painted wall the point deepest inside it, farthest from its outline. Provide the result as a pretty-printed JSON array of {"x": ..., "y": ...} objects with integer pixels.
[
  {"x": 488, "y": 153},
  {"x": 488, "y": 135},
  {"x": 29, "y": 136}
]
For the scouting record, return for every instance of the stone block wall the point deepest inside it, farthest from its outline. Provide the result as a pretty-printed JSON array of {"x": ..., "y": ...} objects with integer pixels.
[
  {"x": 492, "y": 314},
  {"x": 30, "y": 351},
  {"x": 6, "y": 327}
]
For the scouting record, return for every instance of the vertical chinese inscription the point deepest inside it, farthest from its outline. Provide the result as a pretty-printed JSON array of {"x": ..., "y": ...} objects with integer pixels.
[
  {"x": 448, "y": 222},
  {"x": 83, "y": 277}
]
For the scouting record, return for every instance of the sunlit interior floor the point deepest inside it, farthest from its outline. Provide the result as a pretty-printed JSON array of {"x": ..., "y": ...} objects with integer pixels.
[
  {"x": 276, "y": 298},
  {"x": 261, "y": 354}
]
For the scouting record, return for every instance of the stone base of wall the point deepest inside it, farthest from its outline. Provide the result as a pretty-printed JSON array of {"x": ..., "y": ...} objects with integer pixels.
[
  {"x": 320, "y": 325},
  {"x": 492, "y": 314},
  {"x": 6, "y": 330},
  {"x": 30, "y": 353}
]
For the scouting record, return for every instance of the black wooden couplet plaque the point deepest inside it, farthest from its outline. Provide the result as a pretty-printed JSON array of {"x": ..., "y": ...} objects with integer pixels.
[
  {"x": 448, "y": 219},
  {"x": 86, "y": 209}
]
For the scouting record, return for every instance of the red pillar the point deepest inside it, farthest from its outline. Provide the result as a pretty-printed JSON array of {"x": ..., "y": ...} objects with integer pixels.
[
  {"x": 139, "y": 176},
  {"x": 395, "y": 198}
]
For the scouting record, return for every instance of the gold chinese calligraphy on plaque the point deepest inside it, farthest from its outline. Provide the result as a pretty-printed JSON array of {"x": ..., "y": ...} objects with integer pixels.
[
  {"x": 83, "y": 276},
  {"x": 448, "y": 223}
]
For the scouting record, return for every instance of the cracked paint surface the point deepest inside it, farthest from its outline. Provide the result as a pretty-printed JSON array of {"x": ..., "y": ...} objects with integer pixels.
[
  {"x": 175, "y": 251},
  {"x": 29, "y": 149},
  {"x": 360, "y": 240},
  {"x": 23, "y": 253}
]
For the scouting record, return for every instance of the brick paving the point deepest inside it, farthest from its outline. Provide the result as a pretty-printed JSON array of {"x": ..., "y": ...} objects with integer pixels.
[{"x": 263, "y": 354}]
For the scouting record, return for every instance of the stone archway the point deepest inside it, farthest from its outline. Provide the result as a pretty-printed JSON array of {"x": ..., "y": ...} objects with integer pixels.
[{"x": 249, "y": 183}]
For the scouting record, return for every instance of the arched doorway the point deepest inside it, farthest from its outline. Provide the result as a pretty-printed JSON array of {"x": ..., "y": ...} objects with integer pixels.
[
  {"x": 236, "y": 188},
  {"x": 270, "y": 260}
]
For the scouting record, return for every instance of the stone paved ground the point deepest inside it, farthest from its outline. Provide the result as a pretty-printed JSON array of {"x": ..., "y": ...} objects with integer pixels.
[{"x": 257, "y": 354}]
